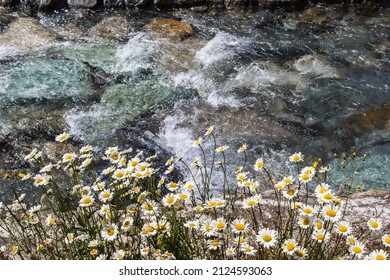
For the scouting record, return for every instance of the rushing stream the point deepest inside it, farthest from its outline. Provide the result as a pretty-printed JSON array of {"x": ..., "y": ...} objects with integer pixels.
[{"x": 280, "y": 84}]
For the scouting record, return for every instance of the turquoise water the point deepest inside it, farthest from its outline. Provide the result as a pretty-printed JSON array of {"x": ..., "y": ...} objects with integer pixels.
[{"x": 278, "y": 85}]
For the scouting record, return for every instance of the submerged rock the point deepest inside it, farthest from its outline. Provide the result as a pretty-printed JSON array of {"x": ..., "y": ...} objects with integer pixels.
[
  {"x": 169, "y": 28},
  {"x": 82, "y": 3}
]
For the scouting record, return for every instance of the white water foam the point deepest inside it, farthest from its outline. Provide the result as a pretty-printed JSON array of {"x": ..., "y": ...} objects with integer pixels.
[{"x": 137, "y": 53}]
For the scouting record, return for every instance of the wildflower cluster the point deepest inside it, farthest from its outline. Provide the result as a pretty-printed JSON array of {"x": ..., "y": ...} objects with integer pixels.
[{"x": 136, "y": 209}]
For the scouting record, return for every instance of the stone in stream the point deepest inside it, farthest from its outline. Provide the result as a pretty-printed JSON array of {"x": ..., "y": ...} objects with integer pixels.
[
  {"x": 27, "y": 35},
  {"x": 82, "y": 3},
  {"x": 169, "y": 28},
  {"x": 112, "y": 28},
  {"x": 368, "y": 121}
]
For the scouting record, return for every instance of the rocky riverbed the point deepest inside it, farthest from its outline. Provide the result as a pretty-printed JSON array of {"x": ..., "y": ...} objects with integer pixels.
[{"x": 277, "y": 75}]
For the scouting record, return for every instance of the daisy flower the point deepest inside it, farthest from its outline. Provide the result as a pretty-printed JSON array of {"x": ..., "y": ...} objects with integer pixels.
[
  {"x": 69, "y": 238},
  {"x": 222, "y": 148},
  {"x": 306, "y": 210},
  {"x": 331, "y": 213},
  {"x": 374, "y": 224},
  {"x": 304, "y": 177},
  {"x": 321, "y": 188},
  {"x": 240, "y": 226},
  {"x": 280, "y": 185},
  {"x": 242, "y": 148},
  {"x": 309, "y": 171},
  {"x": 85, "y": 149},
  {"x": 220, "y": 225},
  {"x": 62, "y": 137},
  {"x": 110, "y": 232},
  {"x": 207, "y": 228},
  {"x": 248, "y": 250},
  {"x": 321, "y": 236},
  {"x": 189, "y": 185},
  {"x": 50, "y": 220},
  {"x": 351, "y": 240},
  {"x": 172, "y": 186},
  {"x": 68, "y": 157},
  {"x": 300, "y": 253},
  {"x": 101, "y": 257},
  {"x": 197, "y": 142},
  {"x": 41, "y": 180},
  {"x": 126, "y": 224},
  {"x": 104, "y": 210},
  {"x": 304, "y": 222},
  {"x": 267, "y": 237},
  {"x": 230, "y": 252},
  {"x": 93, "y": 243},
  {"x": 105, "y": 196},
  {"x": 297, "y": 157},
  {"x": 169, "y": 200},
  {"x": 357, "y": 249},
  {"x": 119, "y": 255},
  {"x": 326, "y": 197},
  {"x": 288, "y": 180},
  {"x": 290, "y": 192},
  {"x": 343, "y": 227},
  {"x": 86, "y": 201},
  {"x": 289, "y": 246},
  {"x": 144, "y": 251},
  {"x": 120, "y": 174},
  {"x": 378, "y": 255},
  {"x": 386, "y": 240},
  {"x": 213, "y": 244},
  {"x": 149, "y": 206},
  {"x": 251, "y": 202},
  {"x": 184, "y": 195},
  {"x": 193, "y": 224},
  {"x": 209, "y": 130},
  {"x": 259, "y": 164}
]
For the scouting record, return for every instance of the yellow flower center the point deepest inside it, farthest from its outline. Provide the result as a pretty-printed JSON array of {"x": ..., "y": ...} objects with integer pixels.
[
  {"x": 51, "y": 220},
  {"x": 357, "y": 250},
  {"x": 126, "y": 223},
  {"x": 290, "y": 247},
  {"x": 251, "y": 203},
  {"x": 150, "y": 229},
  {"x": 331, "y": 213},
  {"x": 328, "y": 196},
  {"x": 214, "y": 243},
  {"x": 299, "y": 253},
  {"x": 260, "y": 164},
  {"x": 240, "y": 227},
  {"x": 221, "y": 225},
  {"x": 148, "y": 207},
  {"x": 305, "y": 221},
  {"x": 290, "y": 192},
  {"x": 296, "y": 158},
  {"x": 170, "y": 200},
  {"x": 307, "y": 211},
  {"x": 320, "y": 236},
  {"x": 305, "y": 177},
  {"x": 183, "y": 196},
  {"x": 343, "y": 228},
  {"x": 267, "y": 238},
  {"x": 192, "y": 225},
  {"x": 387, "y": 240},
  {"x": 374, "y": 224},
  {"x": 115, "y": 157},
  {"x": 38, "y": 181},
  {"x": 212, "y": 203},
  {"x": 208, "y": 227},
  {"x": 87, "y": 200},
  {"x": 380, "y": 257},
  {"x": 106, "y": 195},
  {"x": 351, "y": 241},
  {"x": 319, "y": 225},
  {"x": 111, "y": 231}
]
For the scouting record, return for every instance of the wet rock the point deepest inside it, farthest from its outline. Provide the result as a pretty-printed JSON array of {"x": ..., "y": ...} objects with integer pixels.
[
  {"x": 111, "y": 28},
  {"x": 314, "y": 15},
  {"x": 26, "y": 34},
  {"x": 168, "y": 28},
  {"x": 368, "y": 121},
  {"x": 363, "y": 6},
  {"x": 285, "y": 4},
  {"x": 237, "y": 5},
  {"x": 182, "y": 4},
  {"x": 77, "y": 4}
]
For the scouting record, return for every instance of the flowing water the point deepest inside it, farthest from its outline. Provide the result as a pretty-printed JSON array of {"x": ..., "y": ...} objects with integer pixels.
[{"x": 276, "y": 83}]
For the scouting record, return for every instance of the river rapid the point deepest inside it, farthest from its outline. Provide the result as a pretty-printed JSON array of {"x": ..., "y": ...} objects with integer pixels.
[{"x": 315, "y": 81}]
